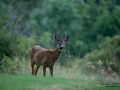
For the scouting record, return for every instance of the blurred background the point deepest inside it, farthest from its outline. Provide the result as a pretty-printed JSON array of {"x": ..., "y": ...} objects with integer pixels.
[{"x": 93, "y": 49}]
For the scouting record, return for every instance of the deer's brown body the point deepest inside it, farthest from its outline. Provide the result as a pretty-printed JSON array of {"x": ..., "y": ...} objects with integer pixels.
[{"x": 45, "y": 57}]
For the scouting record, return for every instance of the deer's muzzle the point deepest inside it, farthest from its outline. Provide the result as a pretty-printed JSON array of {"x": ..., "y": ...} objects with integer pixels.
[{"x": 61, "y": 48}]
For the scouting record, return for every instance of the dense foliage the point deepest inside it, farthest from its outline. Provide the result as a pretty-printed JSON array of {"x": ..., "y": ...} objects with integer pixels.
[{"x": 25, "y": 23}]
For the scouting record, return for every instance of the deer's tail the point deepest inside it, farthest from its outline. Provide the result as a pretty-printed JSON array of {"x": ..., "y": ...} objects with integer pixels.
[{"x": 31, "y": 53}]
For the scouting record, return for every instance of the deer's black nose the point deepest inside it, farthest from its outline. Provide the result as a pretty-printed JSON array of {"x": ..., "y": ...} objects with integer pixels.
[{"x": 61, "y": 48}]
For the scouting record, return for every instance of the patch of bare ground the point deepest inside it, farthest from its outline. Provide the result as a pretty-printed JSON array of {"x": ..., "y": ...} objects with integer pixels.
[{"x": 56, "y": 87}]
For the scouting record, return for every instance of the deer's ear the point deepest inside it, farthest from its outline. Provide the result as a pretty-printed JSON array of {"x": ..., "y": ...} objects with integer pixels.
[
  {"x": 66, "y": 39},
  {"x": 56, "y": 38}
]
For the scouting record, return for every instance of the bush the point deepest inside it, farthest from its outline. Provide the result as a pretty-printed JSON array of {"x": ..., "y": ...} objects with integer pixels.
[{"x": 108, "y": 53}]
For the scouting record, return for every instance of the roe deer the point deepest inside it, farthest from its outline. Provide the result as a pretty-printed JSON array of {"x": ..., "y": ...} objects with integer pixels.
[{"x": 46, "y": 57}]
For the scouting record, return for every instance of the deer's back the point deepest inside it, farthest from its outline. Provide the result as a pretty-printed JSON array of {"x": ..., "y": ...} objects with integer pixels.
[{"x": 39, "y": 54}]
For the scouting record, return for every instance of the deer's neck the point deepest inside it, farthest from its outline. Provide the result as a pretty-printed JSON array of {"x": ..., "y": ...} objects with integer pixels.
[{"x": 56, "y": 52}]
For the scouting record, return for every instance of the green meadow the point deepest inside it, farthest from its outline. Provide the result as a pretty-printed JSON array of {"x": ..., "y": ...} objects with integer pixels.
[
  {"x": 61, "y": 81},
  {"x": 29, "y": 82},
  {"x": 17, "y": 76}
]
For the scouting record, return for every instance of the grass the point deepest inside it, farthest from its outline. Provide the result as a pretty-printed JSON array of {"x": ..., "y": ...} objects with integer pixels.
[
  {"x": 70, "y": 77},
  {"x": 29, "y": 82}
]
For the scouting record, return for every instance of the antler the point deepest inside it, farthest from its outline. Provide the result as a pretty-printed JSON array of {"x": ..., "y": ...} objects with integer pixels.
[
  {"x": 64, "y": 35},
  {"x": 57, "y": 36},
  {"x": 66, "y": 38}
]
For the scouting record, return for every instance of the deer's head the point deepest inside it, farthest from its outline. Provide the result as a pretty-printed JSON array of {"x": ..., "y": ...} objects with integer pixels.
[{"x": 61, "y": 42}]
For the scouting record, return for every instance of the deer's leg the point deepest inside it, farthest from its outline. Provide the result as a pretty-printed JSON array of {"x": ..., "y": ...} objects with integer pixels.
[
  {"x": 32, "y": 65},
  {"x": 51, "y": 71},
  {"x": 44, "y": 71},
  {"x": 36, "y": 70}
]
